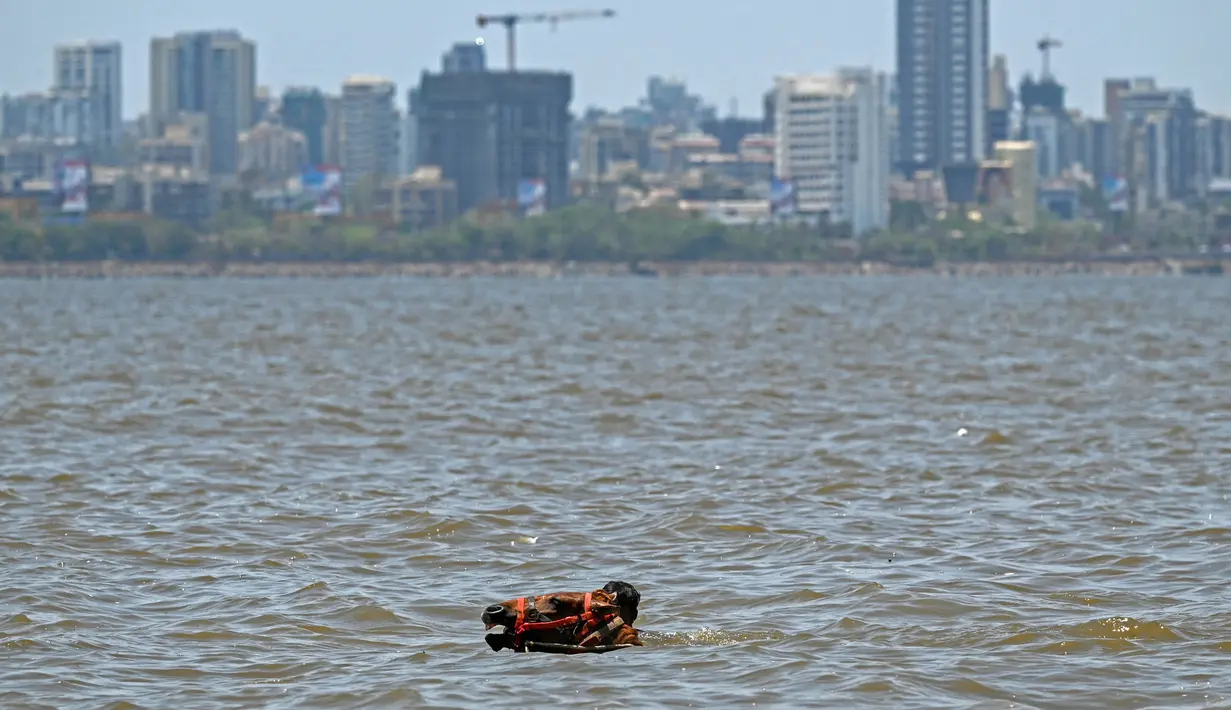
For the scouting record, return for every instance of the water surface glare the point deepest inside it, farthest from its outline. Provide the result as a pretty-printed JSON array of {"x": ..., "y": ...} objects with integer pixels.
[{"x": 894, "y": 492}]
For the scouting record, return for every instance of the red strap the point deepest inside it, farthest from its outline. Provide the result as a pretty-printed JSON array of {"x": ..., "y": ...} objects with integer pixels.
[{"x": 587, "y": 618}]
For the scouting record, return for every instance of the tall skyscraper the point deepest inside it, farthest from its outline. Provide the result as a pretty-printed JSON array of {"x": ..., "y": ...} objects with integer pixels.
[
  {"x": 497, "y": 133},
  {"x": 95, "y": 70},
  {"x": 942, "y": 59},
  {"x": 210, "y": 73},
  {"x": 369, "y": 129},
  {"x": 303, "y": 109},
  {"x": 1112, "y": 90},
  {"x": 999, "y": 104}
]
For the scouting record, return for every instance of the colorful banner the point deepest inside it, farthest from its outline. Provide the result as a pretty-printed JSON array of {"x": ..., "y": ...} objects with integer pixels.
[
  {"x": 781, "y": 197},
  {"x": 995, "y": 185},
  {"x": 532, "y": 196},
  {"x": 72, "y": 185},
  {"x": 324, "y": 184},
  {"x": 1115, "y": 192}
]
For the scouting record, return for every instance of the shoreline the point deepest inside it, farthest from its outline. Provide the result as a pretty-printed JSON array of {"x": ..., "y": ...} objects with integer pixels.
[{"x": 1139, "y": 266}]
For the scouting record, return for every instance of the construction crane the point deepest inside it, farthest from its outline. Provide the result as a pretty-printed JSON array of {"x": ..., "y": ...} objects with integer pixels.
[
  {"x": 511, "y": 21},
  {"x": 1045, "y": 46}
]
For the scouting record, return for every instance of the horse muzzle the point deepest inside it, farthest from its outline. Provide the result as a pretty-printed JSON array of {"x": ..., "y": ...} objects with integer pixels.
[
  {"x": 498, "y": 623},
  {"x": 499, "y": 638}
]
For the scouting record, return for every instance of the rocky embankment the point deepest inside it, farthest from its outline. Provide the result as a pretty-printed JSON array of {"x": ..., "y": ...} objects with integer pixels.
[{"x": 539, "y": 269}]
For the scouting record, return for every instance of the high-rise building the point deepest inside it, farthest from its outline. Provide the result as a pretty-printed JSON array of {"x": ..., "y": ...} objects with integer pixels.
[
  {"x": 942, "y": 62},
  {"x": 999, "y": 103},
  {"x": 464, "y": 57},
  {"x": 1158, "y": 135},
  {"x": 669, "y": 103},
  {"x": 303, "y": 110},
  {"x": 211, "y": 73},
  {"x": 66, "y": 116},
  {"x": 1112, "y": 88},
  {"x": 493, "y": 133},
  {"x": 369, "y": 124},
  {"x": 332, "y": 150},
  {"x": 999, "y": 95},
  {"x": 832, "y": 143},
  {"x": 410, "y": 132},
  {"x": 1214, "y": 147},
  {"x": 605, "y": 141},
  {"x": 1092, "y": 147},
  {"x": 270, "y": 152},
  {"x": 95, "y": 69},
  {"x": 264, "y": 105},
  {"x": 1047, "y": 123},
  {"x": 895, "y": 144}
]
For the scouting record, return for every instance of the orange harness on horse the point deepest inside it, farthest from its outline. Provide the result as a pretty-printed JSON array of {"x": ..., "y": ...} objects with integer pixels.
[{"x": 592, "y": 629}]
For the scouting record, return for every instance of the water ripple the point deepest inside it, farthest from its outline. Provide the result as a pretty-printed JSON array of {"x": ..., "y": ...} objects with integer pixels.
[{"x": 830, "y": 493}]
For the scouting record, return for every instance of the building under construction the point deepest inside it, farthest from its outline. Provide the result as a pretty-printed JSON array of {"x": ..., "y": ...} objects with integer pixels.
[{"x": 491, "y": 131}]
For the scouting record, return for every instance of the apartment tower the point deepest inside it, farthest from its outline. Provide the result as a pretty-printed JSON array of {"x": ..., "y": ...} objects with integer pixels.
[
  {"x": 95, "y": 70},
  {"x": 208, "y": 73},
  {"x": 942, "y": 61},
  {"x": 369, "y": 126}
]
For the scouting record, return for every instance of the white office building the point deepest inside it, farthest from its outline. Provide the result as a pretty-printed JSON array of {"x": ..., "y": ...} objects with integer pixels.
[{"x": 832, "y": 143}]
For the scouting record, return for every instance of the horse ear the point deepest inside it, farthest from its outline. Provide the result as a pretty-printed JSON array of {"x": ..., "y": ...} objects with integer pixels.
[
  {"x": 598, "y": 605},
  {"x": 604, "y": 609}
]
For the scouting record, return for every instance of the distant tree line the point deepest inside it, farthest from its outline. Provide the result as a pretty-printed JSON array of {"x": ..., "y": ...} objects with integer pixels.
[{"x": 583, "y": 233}]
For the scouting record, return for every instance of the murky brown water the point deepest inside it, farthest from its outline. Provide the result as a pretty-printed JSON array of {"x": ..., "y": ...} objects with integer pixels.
[{"x": 831, "y": 493}]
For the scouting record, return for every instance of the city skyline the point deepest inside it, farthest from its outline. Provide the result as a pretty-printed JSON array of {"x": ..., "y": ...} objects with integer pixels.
[{"x": 1101, "y": 39}]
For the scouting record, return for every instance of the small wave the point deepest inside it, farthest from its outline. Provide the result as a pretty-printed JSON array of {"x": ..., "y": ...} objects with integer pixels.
[
  {"x": 369, "y": 614},
  {"x": 995, "y": 438},
  {"x": 313, "y": 587},
  {"x": 207, "y": 636},
  {"x": 1123, "y": 627},
  {"x": 749, "y": 528},
  {"x": 1208, "y": 533},
  {"x": 707, "y": 637}
]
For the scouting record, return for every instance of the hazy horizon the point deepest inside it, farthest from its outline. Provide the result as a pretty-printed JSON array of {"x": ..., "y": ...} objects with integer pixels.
[{"x": 1177, "y": 42}]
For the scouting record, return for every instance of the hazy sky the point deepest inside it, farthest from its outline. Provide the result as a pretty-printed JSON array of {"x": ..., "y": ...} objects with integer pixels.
[{"x": 724, "y": 51}]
